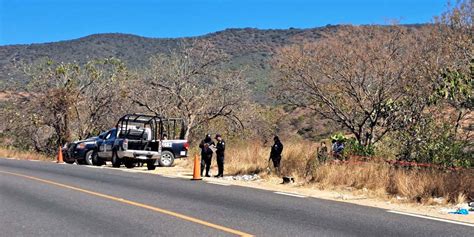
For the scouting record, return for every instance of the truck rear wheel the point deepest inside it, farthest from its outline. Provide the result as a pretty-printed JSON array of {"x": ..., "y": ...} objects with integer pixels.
[
  {"x": 129, "y": 163},
  {"x": 166, "y": 159},
  {"x": 150, "y": 164},
  {"x": 116, "y": 162}
]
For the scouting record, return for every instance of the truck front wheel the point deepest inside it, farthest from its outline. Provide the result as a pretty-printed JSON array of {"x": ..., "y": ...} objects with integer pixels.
[
  {"x": 129, "y": 163},
  {"x": 116, "y": 162},
  {"x": 89, "y": 157}
]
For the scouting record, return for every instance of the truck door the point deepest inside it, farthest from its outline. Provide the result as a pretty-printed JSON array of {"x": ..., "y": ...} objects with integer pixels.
[{"x": 105, "y": 150}]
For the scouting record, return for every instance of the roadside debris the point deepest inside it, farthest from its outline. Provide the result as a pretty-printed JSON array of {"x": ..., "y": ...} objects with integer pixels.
[
  {"x": 447, "y": 210},
  {"x": 246, "y": 177},
  {"x": 460, "y": 211},
  {"x": 401, "y": 198},
  {"x": 439, "y": 200},
  {"x": 342, "y": 196},
  {"x": 349, "y": 197}
]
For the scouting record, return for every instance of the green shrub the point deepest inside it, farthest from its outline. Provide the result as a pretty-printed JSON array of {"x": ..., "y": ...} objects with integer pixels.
[
  {"x": 435, "y": 143},
  {"x": 353, "y": 147}
]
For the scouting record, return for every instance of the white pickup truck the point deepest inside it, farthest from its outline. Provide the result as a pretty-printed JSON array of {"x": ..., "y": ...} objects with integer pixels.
[{"x": 149, "y": 139}]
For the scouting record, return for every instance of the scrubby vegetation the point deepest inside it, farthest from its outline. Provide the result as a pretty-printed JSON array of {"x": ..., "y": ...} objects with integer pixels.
[{"x": 397, "y": 93}]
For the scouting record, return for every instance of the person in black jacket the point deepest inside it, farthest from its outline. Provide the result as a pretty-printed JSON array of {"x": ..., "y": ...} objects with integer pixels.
[
  {"x": 206, "y": 154},
  {"x": 275, "y": 154},
  {"x": 220, "y": 149}
]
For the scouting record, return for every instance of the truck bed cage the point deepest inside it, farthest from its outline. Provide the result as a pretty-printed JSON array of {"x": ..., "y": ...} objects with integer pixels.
[
  {"x": 170, "y": 125},
  {"x": 174, "y": 127},
  {"x": 154, "y": 122}
]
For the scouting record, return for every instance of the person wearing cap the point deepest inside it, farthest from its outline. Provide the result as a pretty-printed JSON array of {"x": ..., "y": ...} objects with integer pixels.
[
  {"x": 220, "y": 149},
  {"x": 275, "y": 153},
  {"x": 206, "y": 154}
]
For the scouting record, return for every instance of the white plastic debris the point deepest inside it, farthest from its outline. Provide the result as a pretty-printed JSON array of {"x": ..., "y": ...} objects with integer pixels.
[
  {"x": 447, "y": 210},
  {"x": 439, "y": 200},
  {"x": 246, "y": 177}
]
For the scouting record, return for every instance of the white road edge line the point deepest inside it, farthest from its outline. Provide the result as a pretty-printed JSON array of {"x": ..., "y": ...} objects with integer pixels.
[
  {"x": 168, "y": 176},
  {"x": 291, "y": 194},
  {"x": 431, "y": 218},
  {"x": 131, "y": 171},
  {"x": 223, "y": 184}
]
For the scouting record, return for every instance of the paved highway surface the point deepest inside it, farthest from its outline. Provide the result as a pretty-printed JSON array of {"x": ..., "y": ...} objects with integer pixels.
[{"x": 47, "y": 199}]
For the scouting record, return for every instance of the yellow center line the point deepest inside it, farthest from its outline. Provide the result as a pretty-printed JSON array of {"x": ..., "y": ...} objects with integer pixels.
[{"x": 156, "y": 209}]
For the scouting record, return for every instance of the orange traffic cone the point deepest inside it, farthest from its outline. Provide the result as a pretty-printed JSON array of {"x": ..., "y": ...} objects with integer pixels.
[
  {"x": 197, "y": 168},
  {"x": 60, "y": 155}
]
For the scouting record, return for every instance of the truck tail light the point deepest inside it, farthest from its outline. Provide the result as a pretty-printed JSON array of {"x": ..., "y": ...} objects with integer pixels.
[
  {"x": 125, "y": 144},
  {"x": 186, "y": 146}
]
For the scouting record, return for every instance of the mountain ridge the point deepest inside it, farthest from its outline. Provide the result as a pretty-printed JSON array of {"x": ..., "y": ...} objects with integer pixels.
[{"x": 251, "y": 47}]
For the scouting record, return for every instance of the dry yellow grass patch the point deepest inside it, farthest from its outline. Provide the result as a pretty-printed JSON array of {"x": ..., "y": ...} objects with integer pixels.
[
  {"x": 252, "y": 158},
  {"x": 23, "y": 155}
]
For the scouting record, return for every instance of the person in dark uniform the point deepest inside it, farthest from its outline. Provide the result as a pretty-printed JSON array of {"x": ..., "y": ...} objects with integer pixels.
[
  {"x": 220, "y": 149},
  {"x": 206, "y": 154},
  {"x": 275, "y": 153}
]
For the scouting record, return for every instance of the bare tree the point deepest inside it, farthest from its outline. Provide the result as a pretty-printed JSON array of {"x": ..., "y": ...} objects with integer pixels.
[
  {"x": 52, "y": 92},
  {"x": 195, "y": 83},
  {"x": 452, "y": 40},
  {"x": 358, "y": 76},
  {"x": 103, "y": 98},
  {"x": 63, "y": 101}
]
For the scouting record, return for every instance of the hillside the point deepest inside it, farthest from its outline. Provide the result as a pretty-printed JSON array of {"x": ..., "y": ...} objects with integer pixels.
[
  {"x": 250, "y": 47},
  {"x": 135, "y": 50}
]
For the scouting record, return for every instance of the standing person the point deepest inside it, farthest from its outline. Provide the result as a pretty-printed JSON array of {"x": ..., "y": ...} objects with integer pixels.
[
  {"x": 322, "y": 153},
  {"x": 220, "y": 149},
  {"x": 338, "y": 148},
  {"x": 206, "y": 154},
  {"x": 275, "y": 154}
]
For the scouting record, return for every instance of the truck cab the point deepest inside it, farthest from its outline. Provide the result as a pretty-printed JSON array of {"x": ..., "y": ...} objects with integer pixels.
[{"x": 84, "y": 151}]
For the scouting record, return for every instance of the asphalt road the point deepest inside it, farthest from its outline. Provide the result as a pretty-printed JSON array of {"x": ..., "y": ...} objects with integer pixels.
[{"x": 47, "y": 199}]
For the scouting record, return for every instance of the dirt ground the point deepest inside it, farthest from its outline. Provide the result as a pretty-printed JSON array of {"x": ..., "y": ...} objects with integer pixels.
[{"x": 360, "y": 197}]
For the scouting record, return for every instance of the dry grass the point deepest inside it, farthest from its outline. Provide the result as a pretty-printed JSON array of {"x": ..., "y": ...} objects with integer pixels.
[
  {"x": 23, "y": 155},
  {"x": 245, "y": 158},
  {"x": 382, "y": 180},
  {"x": 416, "y": 185}
]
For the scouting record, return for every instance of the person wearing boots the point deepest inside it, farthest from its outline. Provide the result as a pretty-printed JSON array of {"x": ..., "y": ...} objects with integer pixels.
[
  {"x": 220, "y": 149},
  {"x": 206, "y": 154},
  {"x": 275, "y": 153}
]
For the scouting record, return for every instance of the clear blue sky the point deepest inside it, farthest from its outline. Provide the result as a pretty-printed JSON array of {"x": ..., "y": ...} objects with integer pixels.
[{"x": 36, "y": 21}]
